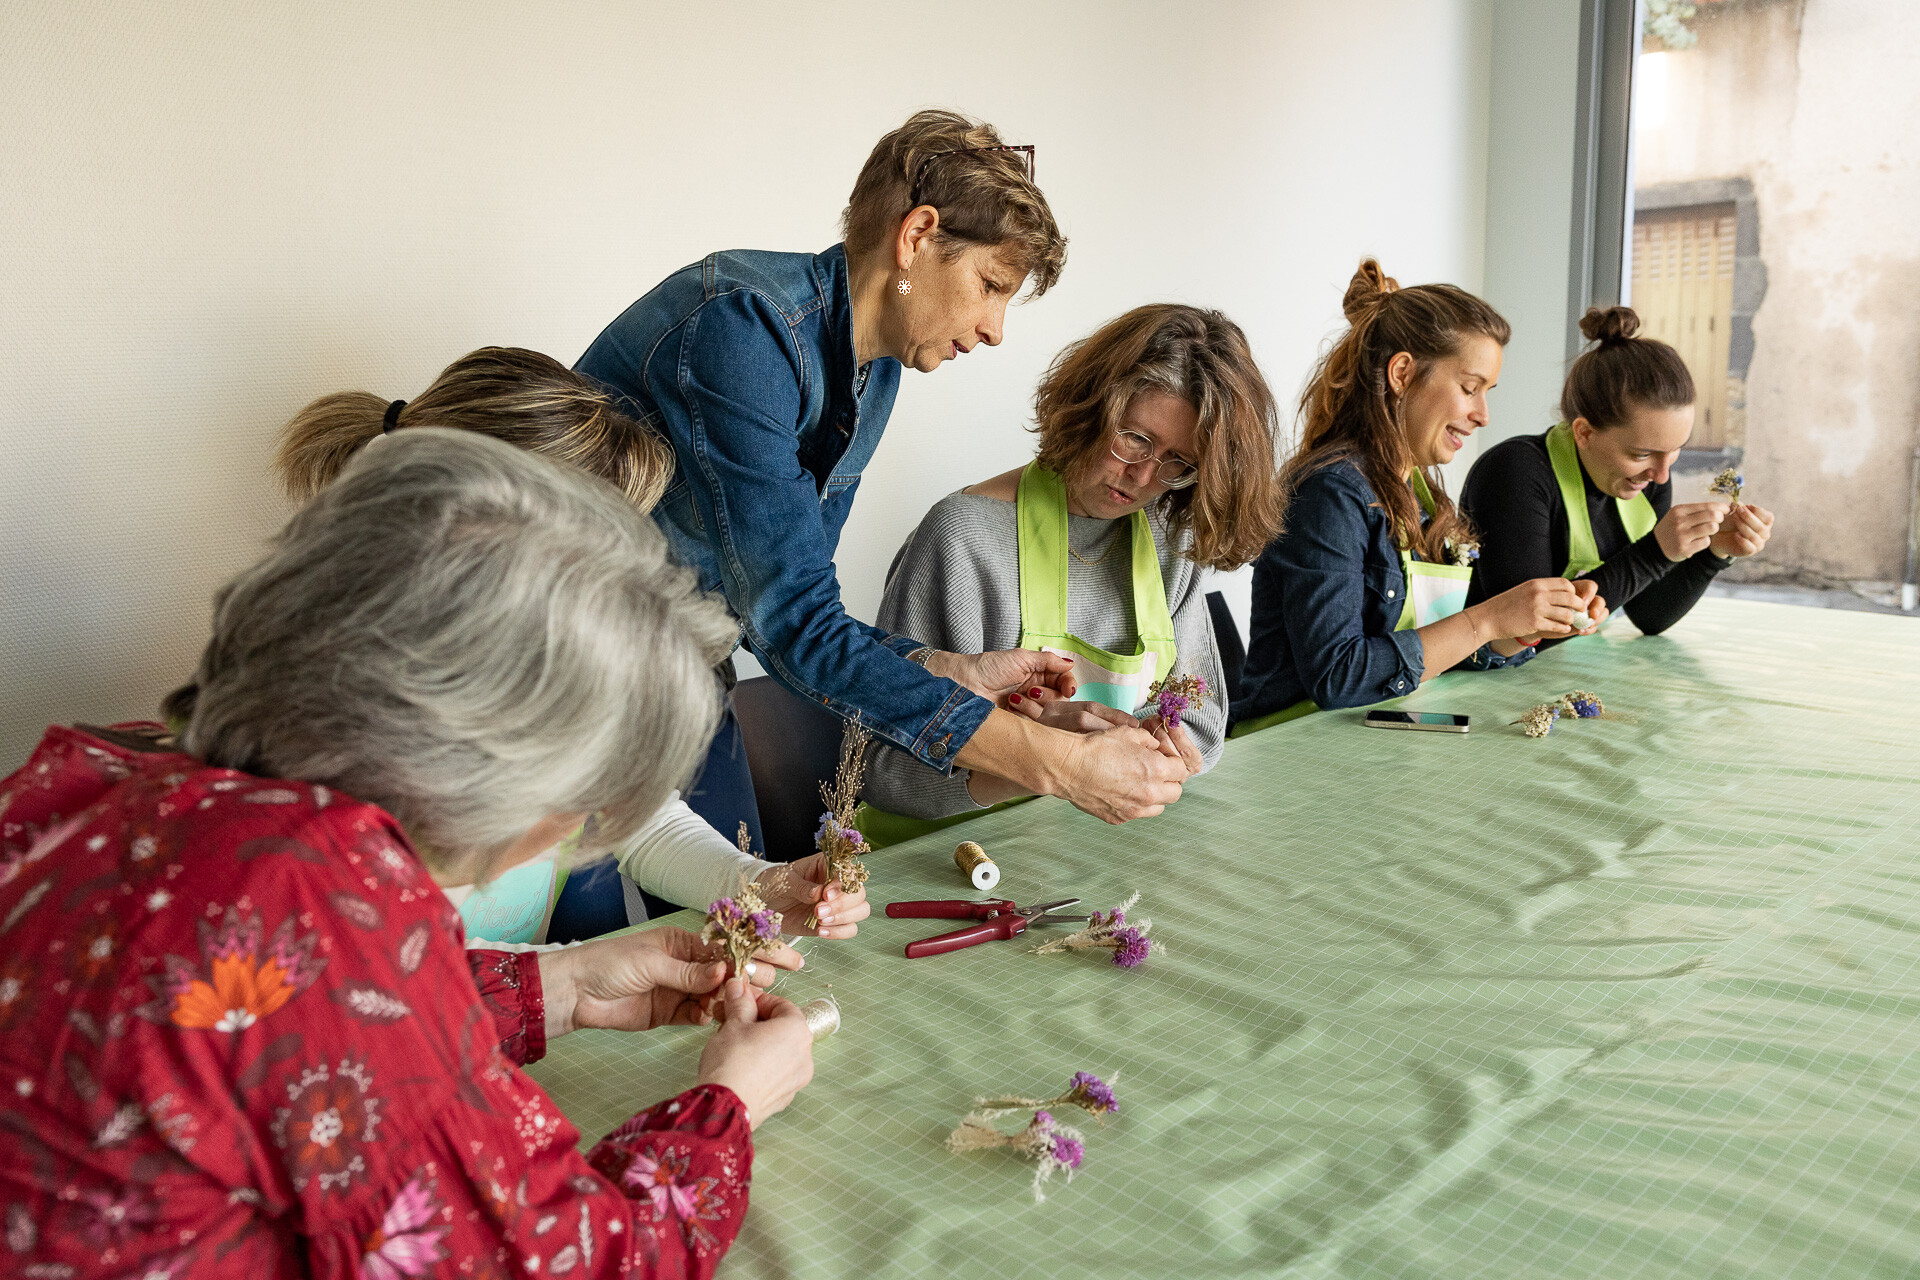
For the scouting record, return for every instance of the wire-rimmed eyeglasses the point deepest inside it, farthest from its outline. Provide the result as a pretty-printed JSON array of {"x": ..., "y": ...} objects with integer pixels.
[{"x": 1133, "y": 449}]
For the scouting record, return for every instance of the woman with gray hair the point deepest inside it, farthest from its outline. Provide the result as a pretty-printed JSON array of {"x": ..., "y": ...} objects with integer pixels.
[
  {"x": 675, "y": 859},
  {"x": 273, "y": 1051}
]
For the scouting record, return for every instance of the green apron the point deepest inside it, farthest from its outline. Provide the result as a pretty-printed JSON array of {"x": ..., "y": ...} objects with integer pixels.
[
  {"x": 1117, "y": 680},
  {"x": 1112, "y": 679},
  {"x": 1433, "y": 592},
  {"x": 1636, "y": 513}
]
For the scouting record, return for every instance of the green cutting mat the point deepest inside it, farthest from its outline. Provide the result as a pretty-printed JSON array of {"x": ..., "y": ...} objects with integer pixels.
[{"x": 1639, "y": 999}]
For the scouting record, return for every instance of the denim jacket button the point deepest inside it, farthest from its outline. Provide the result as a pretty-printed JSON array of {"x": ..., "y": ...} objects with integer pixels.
[
  {"x": 938, "y": 751},
  {"x": 1389, "y": 593}
]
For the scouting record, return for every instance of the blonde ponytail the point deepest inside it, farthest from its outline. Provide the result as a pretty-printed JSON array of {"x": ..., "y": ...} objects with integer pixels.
[
  {"x": 316, "y": 445},
  {"x": 528, "y": 400}
]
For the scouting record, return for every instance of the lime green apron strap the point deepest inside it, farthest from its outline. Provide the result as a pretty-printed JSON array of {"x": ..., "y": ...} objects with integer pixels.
[
  {"x": 1112, "y": 679},
  {"x": 1305, "y": 707},
  {"x": 881, "y": 828},
  {"x": 1636, "y": 513}
]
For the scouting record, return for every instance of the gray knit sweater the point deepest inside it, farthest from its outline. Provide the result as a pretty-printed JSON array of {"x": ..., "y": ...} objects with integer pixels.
[{"x": 955, "y": 585}]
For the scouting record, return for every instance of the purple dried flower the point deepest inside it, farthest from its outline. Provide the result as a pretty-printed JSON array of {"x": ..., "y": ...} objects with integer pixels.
[
  {"x": 1069, "y": 1152},
  {"x": 1043, "y": 1119},
  {"x": 1174, "y": 696},
  {"x": 1133, "y": 947},
  {"x": 1091, "y": 1092},
  {"x": 764, "y": 925}
]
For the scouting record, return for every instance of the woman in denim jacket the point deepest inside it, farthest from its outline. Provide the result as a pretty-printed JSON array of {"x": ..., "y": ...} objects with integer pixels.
[
  {"x": 1347, "y": 608},
  {"x": 772, "y": 376}
]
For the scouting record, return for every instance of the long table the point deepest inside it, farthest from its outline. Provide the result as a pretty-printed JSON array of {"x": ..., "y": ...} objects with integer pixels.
[{"x": 1641, "y": 998}]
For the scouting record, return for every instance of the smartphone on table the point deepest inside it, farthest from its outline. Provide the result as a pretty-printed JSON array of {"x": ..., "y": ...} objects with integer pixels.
[{"x": 1431, "y": 721}]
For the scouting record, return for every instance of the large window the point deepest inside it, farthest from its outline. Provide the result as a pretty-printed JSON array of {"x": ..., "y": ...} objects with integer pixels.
[{"x": 1682, "y": 286}]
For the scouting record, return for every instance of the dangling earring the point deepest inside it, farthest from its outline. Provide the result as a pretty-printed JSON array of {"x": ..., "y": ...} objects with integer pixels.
[{"x": 905, "y": 285}]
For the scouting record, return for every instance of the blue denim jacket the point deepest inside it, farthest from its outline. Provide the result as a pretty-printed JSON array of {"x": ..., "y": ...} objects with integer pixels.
[
  {"x": 1327, "y": 594},
  {"x": 744, "y": 362}
]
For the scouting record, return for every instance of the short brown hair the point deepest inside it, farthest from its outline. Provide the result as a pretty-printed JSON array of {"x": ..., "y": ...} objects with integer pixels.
[
  {"x": 983, "y": 197},
  {"x": 527, "y": 399},
  {"x": 1621, "y": 372},
  {"x": 1350, "y": 410},
  {"x": 1234, "y": 507}
]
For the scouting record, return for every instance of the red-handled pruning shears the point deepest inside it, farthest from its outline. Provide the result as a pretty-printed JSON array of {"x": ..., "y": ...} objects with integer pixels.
[{"x": 999, "y": 920}]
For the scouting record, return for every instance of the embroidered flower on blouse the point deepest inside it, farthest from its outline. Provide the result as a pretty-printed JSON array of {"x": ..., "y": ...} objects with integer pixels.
[
  {"x": 663, "y": 1180},
  {"x": 241, "y": 979},
  {"x": 108, "y": 1217},
  {"x": 405, "y": 1245},
  {"x": 327, "y": 1119}
]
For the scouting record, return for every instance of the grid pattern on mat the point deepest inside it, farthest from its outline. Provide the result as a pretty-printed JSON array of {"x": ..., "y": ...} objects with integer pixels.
[{"x": 1635, "y": 999}]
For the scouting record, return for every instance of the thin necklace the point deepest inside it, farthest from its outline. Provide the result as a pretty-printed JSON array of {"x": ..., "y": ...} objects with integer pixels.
[{"x": 1112, "y": 542}]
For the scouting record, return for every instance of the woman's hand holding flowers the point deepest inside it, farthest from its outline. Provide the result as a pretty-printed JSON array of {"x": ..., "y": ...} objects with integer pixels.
[
  {"x": 798, "y": 886},
  {"x": 1743, "y": 533},
  {"x": 763, "y": 1051},
  {"x": 639, "y": 981},
  {"x": 1688, "y": 528}
]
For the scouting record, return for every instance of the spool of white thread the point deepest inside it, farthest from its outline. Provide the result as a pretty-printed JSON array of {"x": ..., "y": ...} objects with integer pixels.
[
  {"x": 975, "y": 865},
  {"x": 823, "y": 1016}
]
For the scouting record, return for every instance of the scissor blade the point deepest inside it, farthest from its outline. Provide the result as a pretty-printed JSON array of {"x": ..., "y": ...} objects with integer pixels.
[
  {"x": 1043, "y": 908},
  {"x": 1053, "y": 919}
]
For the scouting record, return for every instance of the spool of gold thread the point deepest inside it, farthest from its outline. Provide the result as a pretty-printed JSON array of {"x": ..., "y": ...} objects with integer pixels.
[
  {"x": 975, "y": 865},
  {"x": 823, "y": 1017}
]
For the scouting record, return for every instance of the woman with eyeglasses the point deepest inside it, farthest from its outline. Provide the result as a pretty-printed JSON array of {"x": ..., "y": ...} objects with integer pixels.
[
  {"x": 772, "y": 376},
  {"x": 1156, "y": 460},
  {"x": 1364, "y": 597}
]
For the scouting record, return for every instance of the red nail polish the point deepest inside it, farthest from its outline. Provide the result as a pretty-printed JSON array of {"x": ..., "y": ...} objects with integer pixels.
[
  {"x": 1014, "y": 699},
  {"x": 1033, "y": 693}
]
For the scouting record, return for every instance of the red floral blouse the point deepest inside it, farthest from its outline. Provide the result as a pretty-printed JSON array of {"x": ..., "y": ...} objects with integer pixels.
[{"x": 239, "y": 1035}]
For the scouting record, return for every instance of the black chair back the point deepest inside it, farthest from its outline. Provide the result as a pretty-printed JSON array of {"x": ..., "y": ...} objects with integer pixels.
[{"x": 1226, "y": 635}]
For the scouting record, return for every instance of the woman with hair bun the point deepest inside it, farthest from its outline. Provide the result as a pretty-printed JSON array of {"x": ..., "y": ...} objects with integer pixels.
[
  {"x": 1592, "y": 498},
  {"x": 1363, "y": 597}
]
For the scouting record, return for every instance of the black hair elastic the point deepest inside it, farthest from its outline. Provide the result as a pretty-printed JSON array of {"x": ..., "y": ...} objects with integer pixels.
[{"x": 392, "y": 419}]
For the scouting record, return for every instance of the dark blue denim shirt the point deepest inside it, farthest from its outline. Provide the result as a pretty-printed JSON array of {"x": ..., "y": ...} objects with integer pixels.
[
  {"x": 1327, "y": 595},
  {"x": 744, "y": 362}
]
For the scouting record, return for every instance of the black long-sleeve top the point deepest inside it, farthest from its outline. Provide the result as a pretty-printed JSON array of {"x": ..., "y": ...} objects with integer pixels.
[{"x": 1514, "y": 502}]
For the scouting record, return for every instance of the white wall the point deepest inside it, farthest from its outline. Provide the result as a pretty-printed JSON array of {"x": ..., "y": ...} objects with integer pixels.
[
  {"x": 1530, "y": 136},
  {"x": 212, "y": 212}
]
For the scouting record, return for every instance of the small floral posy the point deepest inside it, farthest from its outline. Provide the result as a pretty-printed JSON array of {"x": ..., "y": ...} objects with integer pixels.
[
  {"x": 1728, "y": 484},
  {"x": 1538, "y": 721},
  {"x": 1583, "y": 705},
  {"x": 1055, "y": 1147},
  {"x": 1172, "y": 697},
  {"x": 1110, "y": 931},
  {"x": 1463, "y": 552},
  {"x": 742, "y": 924},
  {"x": 837, "y": 837},
  {"x": 1086, "y": 1090}
]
